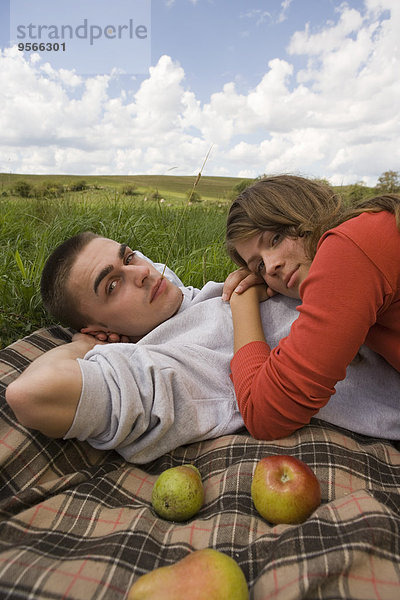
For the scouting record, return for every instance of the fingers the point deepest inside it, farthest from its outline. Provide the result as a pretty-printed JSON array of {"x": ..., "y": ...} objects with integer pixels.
[
  {"x": 248, "y": 282},
  {"x": 114, "y": 338},
  {"x": 232, "y": 281},
  {"x": 100, "y": 335},
  {"x": 86, "y": 339},
  {"x": 239, "y": 281},
  {"x": 103, "y": 336}
]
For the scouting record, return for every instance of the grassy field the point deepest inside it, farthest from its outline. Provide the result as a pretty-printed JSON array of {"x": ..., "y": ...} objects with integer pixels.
[
  {"x": 144, "y": 211},
  {"x": 31, "y": 227},
  {"x": 170, "y": 187}
]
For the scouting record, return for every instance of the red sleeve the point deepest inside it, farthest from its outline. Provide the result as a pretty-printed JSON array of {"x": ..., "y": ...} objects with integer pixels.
[{"x": 279, "y": 391}]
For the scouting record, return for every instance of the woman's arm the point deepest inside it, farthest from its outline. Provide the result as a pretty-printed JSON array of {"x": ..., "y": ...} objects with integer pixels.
[
  {"x": 279, "y": 390},
  {"x": 247, "y": 325},
  {"x": 45, "y": 396}
]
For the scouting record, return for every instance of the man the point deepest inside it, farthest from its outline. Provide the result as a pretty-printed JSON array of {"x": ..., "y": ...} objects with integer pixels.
[
  {"x": 94, "y": 284},
  {"x": 172, "y": 386}
]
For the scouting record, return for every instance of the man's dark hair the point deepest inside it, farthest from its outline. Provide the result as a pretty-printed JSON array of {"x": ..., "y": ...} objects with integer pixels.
[{"x": 56, "y": 297}]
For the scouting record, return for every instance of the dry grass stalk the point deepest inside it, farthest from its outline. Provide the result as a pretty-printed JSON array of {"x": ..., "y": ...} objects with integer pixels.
[{"x": 195, "y": 184}]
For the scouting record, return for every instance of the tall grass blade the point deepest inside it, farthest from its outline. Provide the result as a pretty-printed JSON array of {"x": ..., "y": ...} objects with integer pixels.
[{"x": 20, "y": 264}]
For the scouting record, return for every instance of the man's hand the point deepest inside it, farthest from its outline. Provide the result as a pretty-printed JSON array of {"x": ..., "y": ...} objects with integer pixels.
[
  {"x": 83, "y": 342},
  {"x": 240, "y": 280},
  {"x": 106, "y": 337}
]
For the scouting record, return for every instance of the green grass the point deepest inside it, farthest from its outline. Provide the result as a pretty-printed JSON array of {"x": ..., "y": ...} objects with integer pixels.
[
  {"x": 31, "y": 227},
  {"x": 170, "y": 187}
]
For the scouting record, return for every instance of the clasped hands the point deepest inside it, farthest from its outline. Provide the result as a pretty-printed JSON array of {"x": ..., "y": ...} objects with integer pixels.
[{"x": 244, "y": 281}]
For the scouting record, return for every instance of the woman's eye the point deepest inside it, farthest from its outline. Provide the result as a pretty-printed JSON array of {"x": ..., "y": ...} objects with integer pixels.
[
  {"x": 275, "y": 239},
  {"x": 260, "y": 267}
]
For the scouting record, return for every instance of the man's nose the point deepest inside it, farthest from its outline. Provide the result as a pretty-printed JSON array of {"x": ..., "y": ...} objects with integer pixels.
[{"x": 139, "y": 274}]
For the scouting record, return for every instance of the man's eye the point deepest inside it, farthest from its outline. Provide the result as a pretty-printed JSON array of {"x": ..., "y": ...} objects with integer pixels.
[
  {"x": 111, "y": 286},
  {"x": 129, "y": 257}
]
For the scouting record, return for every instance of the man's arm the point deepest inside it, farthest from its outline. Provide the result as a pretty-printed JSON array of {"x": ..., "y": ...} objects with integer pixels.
[{"x": 45, "y": 396}]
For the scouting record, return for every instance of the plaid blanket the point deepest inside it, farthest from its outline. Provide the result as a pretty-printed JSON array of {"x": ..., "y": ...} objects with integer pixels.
[{"x": 77, "y": 523}]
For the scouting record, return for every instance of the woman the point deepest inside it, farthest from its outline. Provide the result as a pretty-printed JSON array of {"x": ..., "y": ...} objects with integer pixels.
[{"x": 345, "y": 267}]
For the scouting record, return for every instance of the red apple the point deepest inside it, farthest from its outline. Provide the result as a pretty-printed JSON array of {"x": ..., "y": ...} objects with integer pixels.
[{"x": 284, "y": 489}]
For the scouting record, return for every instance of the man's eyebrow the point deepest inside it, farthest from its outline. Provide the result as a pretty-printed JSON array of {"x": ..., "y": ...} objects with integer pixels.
[
  {"x": 122, "y": 249},
  {"x": 104, "y": 272}
]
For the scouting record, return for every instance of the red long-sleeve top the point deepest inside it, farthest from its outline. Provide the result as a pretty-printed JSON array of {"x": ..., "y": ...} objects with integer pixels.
[{"x": 351, "y": 296}]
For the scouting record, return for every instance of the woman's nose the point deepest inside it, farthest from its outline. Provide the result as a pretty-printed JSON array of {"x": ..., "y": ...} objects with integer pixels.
[{"x": 272, "y": 265}]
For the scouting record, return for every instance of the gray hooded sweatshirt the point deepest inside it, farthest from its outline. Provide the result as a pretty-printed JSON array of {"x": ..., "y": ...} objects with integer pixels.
[{"x": 173, "y": 387}]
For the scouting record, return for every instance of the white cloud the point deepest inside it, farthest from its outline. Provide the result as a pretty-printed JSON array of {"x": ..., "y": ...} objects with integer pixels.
[
  {"x": 284, "y": 9},
  {"x": 337, "y": 117}
]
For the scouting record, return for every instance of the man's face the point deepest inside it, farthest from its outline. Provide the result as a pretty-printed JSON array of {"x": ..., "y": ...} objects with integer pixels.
[{"x": 119, "y": 291}]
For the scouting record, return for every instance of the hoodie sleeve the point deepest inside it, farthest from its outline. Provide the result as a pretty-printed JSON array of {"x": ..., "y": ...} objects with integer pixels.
[{"x": 144, "y": 401}]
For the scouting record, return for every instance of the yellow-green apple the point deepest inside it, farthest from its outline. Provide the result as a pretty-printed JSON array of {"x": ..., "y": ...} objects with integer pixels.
[
  {"x": 284, "y": 489},
  {"x": 202, "y": 575},
  {"x": 178, "y": 493}
]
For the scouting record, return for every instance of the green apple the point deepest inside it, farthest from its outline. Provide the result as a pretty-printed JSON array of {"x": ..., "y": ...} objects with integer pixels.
[
  {"x": 202, "y": 575},
  {"x": 178, "y": 493},
  {"x": 284, "y": 489}
]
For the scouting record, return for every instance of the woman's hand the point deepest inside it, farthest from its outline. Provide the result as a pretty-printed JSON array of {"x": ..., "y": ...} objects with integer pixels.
[
  {"x": 257, "y": 293},
  {"x": 241, "y": 280}
]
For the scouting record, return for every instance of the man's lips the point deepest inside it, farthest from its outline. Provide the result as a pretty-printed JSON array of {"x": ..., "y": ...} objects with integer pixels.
[{"x": 158, "y": 288}]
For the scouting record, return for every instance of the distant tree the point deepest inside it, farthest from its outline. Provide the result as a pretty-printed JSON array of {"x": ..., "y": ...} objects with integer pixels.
[
  {"x": 321, "y": 180},
  {"x": 79, "y": 186},
  {"x": 357, "y": 191},
  {"x": 242, "y": 185},
  {"x": 389, "y": 182},
  {"x": 193, "y": 196},
  {"x": 129, "y": 190},
  {"x": 154, "y": 195},
  {"x": 49, "y": 189},
  {"x": 23, "y": 189}
]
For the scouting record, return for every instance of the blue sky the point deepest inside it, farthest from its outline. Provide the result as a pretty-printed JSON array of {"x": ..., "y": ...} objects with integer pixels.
[
  {"x": 221, "y": 41},
  {"x": 309, "y": 87}
]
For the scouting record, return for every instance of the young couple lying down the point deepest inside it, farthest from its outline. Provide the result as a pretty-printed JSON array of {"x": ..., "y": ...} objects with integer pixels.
[{"x": 187, "y": 371}]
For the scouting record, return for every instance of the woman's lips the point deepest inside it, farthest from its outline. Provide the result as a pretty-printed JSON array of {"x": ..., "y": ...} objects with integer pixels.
[{"x": 292, "y": 279}]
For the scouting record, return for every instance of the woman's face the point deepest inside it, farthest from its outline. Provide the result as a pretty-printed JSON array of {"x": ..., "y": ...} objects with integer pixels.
[{"x": 281, "y": 261}]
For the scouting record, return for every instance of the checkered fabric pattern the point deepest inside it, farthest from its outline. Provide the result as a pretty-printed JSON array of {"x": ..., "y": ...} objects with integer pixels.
[{"x": 77, "y": 523}]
